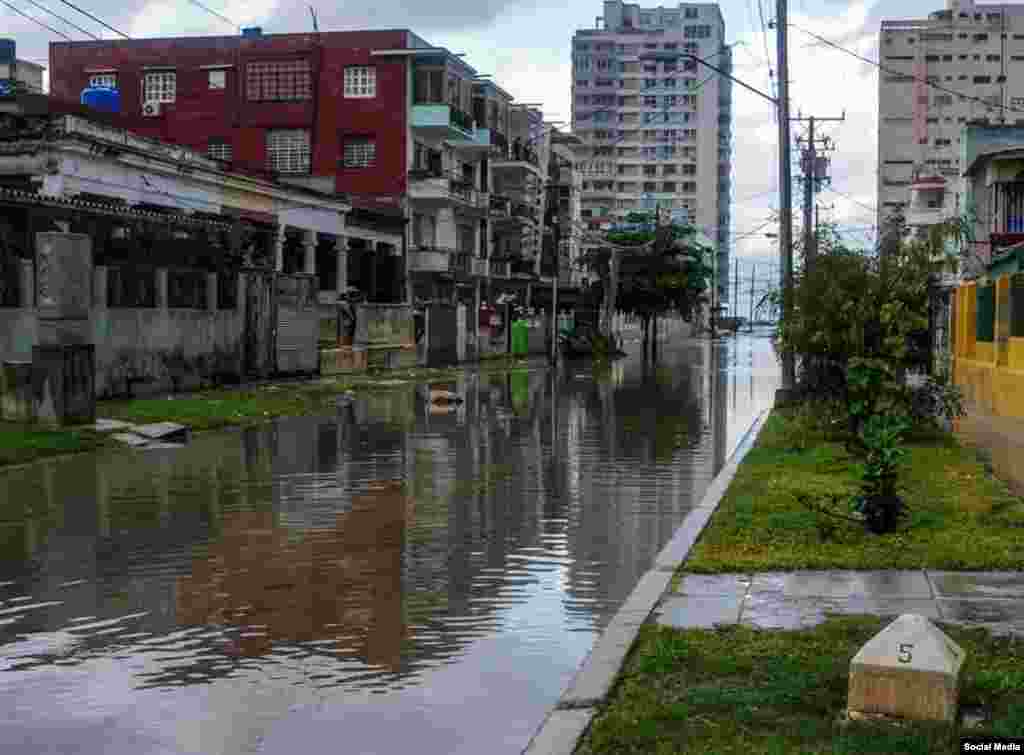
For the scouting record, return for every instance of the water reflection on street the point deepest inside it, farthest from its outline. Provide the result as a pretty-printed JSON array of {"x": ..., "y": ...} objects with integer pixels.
[{"x": 393, "y": 577}]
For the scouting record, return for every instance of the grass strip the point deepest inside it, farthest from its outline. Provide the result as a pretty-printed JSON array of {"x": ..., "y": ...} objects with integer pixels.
[
  {"x": 960, "y": 517},
  {"x": 744, "y": 691}
]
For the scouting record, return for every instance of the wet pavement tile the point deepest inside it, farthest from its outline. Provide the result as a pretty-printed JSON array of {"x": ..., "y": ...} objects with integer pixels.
[
  {"x": 699, "y": 611},
  {"x": 714, "y": 584},
  {"x": 844, "y": 584},
  {"x": 977, "y": 584},
  {"x": 982, "y": 610},
  {"x": 776, "y": 612}
]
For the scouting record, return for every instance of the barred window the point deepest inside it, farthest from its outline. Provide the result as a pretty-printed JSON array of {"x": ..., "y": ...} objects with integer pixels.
[
  {"x": 159, "y": 86},
  {"x": 285, "y": 80},
  {"x": 360, "y": 81},
  {"x": 217, "y": 79},
  {"x": 219, "y": 149},
  {"x": 108, "y": 80},
  {"x": 360, "y": 152},
  {"x": 288, "y": 150}
]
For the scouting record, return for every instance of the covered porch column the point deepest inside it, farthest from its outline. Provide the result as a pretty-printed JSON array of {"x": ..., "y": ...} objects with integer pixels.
[
  {"x": 341, "y": 261},
  {"x": 279, "y": 240},
  {"x": 309, "y": 239}
]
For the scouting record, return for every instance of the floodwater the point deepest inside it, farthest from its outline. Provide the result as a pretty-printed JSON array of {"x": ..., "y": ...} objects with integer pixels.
[{"x": 385, "y": 579}]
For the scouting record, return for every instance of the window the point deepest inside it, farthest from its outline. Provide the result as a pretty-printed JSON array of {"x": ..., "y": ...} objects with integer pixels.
[
  {"x": 360, "y": 152},
  {"x": 288, "y": 150},
  {"x": 942, "y": 142},
  {"x": 992, "y": 58},
  {"x": 947, "y": 58},
  {"x": 219, "y": 148},
  {"x": 217, "y": 79},
  {"x": 361, "y": 81},
  {"x": 279, "y": 81},
  {"x": 981, "y": 37},
  {"x": 159, "y": 86},
  {"x": 671, "y": 45},
  {"x": 108, "y": 80},
  {"x": 690, "y": 12},
  {"x": 982, "y": 79},
  {"x": 582, "y": 83},
  {"x": 650, "y": 101}
]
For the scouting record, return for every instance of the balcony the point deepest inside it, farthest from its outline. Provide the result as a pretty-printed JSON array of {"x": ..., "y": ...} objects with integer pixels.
[
  {"x": 479, "y": 143},
  {"x": 442, "y": 122},
  {"x": 516, "y": 158},
  {"x": 925, "y": 216},
  {"x": 499, "y": 268},
  {"x": 439, "y": 188},
  {"x": 429, "y": 259}
]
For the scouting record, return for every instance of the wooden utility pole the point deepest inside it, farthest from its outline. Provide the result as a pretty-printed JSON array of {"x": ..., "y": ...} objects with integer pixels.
[{"x": 785, "y": 194}]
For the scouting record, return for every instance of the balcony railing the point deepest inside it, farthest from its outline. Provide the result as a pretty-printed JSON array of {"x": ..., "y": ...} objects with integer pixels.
[
  {"x": 434, "y": 184},
  {"x": 440, "y": 115},
  {"x": 434, "y": 259},
  {"x": 500, "y": 206}
]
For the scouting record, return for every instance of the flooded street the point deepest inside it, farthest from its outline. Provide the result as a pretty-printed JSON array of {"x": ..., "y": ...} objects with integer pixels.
[{"x": 386, "y": 579}]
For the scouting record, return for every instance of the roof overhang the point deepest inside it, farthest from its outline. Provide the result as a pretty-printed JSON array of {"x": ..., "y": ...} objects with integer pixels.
[{"x": 1006, "y": 153}]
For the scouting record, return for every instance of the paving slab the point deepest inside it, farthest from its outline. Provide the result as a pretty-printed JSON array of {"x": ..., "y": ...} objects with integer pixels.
[
  {"x": 982, "y": 610},
  {"x": 560, "y": 732},
  {"x": 110, "y": 425},
  {"x": 165, "y": 431},
  {"x": 976, "y": 584},
  {"x": 130, "y": 439},
  {"x": 844, "y": 584},
  {"x": 700, "y": 611},
  {"x": 160, "y": 446},
  {"x": 714, "y": 584}
]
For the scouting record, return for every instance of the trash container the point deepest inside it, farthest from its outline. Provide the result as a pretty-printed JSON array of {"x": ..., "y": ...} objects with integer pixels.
[{"x": 520, "y": 338}]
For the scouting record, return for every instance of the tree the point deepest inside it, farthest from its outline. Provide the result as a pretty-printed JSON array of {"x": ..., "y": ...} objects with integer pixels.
[{"x": 648, "y": 270}]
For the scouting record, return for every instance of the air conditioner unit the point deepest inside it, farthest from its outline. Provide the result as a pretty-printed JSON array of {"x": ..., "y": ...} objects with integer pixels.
[{"x": 151, "y": 109}]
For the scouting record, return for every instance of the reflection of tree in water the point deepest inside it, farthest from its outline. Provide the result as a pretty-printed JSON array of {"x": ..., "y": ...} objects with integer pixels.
[{"x": 277, "y": 586}]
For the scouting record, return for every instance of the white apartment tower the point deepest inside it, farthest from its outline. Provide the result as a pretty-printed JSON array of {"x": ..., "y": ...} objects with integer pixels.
[
  {"x": 970, "y": 48},
  {"x": 658, "y": 123}
]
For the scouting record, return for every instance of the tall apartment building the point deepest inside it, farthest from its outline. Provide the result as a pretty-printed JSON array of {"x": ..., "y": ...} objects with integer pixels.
[
  {"x": 15, "y": 72},
  {"x": 973, "y": 49},
  {"x": 658, "y": 123}
]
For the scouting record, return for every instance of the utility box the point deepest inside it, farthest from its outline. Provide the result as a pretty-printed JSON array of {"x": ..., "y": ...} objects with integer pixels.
[{"x": 910, "y": 670}]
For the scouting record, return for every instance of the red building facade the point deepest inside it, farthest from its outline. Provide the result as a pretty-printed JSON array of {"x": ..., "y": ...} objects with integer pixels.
[{"x": 316, "y": 109}]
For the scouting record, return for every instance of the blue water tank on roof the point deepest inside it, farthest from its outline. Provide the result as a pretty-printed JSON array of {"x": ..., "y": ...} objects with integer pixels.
[
  {"x": 8, "y": 51},
  {"x": 104, "y": 99}
]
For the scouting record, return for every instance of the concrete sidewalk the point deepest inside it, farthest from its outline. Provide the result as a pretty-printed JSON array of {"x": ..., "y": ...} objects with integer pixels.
[{"x": 796, "y": 600}]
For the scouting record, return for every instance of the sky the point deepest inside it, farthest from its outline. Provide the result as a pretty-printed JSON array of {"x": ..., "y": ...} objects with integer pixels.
[{"x": 526, "y": 46}]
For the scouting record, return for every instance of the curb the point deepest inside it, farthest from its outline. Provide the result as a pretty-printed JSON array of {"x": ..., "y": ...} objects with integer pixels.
[{"x": 565, "y": 725}]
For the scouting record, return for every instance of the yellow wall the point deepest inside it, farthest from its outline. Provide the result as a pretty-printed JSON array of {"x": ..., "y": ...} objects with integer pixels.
[{"x": 990, "y": 374}]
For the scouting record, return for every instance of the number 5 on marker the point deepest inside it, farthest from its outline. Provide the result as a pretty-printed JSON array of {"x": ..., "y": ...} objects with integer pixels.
[{"x": 905, "y": 655}]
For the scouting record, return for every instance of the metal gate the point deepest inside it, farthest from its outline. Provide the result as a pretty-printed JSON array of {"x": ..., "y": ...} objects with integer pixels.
[{"x": 298, "y": 324}]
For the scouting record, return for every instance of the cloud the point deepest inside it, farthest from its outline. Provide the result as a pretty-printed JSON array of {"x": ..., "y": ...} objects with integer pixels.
[{"x": 417, "y": 15}]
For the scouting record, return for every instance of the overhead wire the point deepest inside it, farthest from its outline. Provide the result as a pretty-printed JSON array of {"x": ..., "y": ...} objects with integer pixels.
[
  {"x": 911, "y": 77},
  {"x": 215, "y": 13},
  {"x": 69, "y": 23},
  {"x": 94, "y": 18},
  {"x": 36, "y": 21}
]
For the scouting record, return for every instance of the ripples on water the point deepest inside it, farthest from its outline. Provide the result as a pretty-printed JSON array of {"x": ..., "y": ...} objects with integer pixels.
[{"x": 385, "y": 578}]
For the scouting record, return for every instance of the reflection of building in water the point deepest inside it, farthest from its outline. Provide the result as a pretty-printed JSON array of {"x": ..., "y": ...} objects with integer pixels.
[
  {"x": 720, "y": 404},
  {"x": 341, "y": 582}
]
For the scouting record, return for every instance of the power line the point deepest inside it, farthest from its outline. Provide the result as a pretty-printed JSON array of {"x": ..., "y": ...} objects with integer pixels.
[
  {"x": 834, "y": 190},
  {"x": 37, "y": 21},
  {"x": 215, "y": 13},
  {"x": 101, "y": 23},
  {"x": 75, "y": 26},
  {"x": 911, "y": 77}
]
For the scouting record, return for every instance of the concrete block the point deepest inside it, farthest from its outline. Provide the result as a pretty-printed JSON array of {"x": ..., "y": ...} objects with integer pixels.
[
  {"x": 104, "y": 425},
  {"x": 163, "y": 431},
  {"x": 64, "y": 383},
  {"x": 978, "y": 584},
  {"x": 63, "y": 276},
  {"x": 911, "y": 669},
  {"x": 16, "y": 392},
  {"x": 130, "y": 439}
]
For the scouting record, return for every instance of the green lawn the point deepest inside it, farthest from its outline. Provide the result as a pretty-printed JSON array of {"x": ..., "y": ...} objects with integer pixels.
[
  {"x": 959, "y": 518},
  {"x": 737, "y": 690},
  {"x": 20, "y": 443}
]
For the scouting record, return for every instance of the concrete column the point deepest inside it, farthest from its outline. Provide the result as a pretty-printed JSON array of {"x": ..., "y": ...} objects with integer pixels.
[
  {"x": 161, "y": 288},
  {"x": 309, "y": 239},
  {"x": 279, "y": 249},
  {"x": 99, "y": 287},
  {"x": 211, "y": 291},
  {"x": 27, "y": 282},
  {"x": 342, "y": 263}
]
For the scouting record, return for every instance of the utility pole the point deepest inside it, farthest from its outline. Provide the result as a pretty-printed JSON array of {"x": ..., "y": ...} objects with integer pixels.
[
  {"x": 736, "y": 291},
  {"x": 812, "y": 175},
  {"x": 785, "y": 194},
  {"x": 750, "y": 320}
]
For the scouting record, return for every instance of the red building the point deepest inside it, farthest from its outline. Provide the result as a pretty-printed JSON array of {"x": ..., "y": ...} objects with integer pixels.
[
  {"x": 379, "y": 116},
  {"x": 290, "y": 104}
]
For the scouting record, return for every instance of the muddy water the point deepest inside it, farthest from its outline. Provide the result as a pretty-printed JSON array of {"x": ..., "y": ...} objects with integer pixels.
[{"x": 386, "y": 579}]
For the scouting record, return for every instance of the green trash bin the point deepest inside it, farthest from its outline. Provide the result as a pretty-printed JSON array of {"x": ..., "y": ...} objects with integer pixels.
[{"x": 520, "y": 338}]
